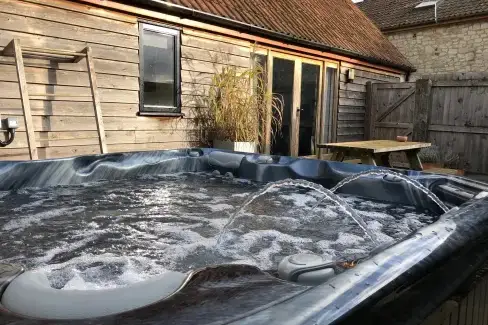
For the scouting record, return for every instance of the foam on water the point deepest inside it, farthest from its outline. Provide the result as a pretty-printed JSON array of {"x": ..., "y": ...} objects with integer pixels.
[{"x": 108, "y": 234}]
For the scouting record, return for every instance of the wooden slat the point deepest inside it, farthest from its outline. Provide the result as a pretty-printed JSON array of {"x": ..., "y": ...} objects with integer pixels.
[
  {"x": 352, "y": 87},
  {"x": 68, "y": 78},
  {"x": 214, "y": 57},
  {"x": 194, "y": 89},
  {"x": 373, "y": 74},
  {"x": 210, "y": 35},
  {"x": 485, "y": 305},
  {"x": 23, "y": 24},
  {"x": 68, "y": 108},
  {"x": 357, "y": 80},
  {"x": 377, "y": 146},
  {"x": 402, "y": 85},
  {"x": 111, "y": 123},
  {"x": 385, "y": 74},
  {"x": 423, "y": 108},
  {"x": 352, "y": 94},
  {"x": 10, "y": 90},
  {"x": 50, "y": 152},
  {"x": 150, "y": 146},
  {"x": 74, "y": 138},
  {"x": 458, "y": 129},
  {"x": 352, "y": 110},
  {"x": 24, "y": 97},
  {"x": 350, "y": 117},
  {"x": 476, "y": 304},
  {"x": 348, "y": 124},
  {"x": 470, "y": 307},
  {"x": 351, "y": 131},
  {"x": 96, "y": 99},
  {"x": 213, "y": 45},
  {"x": 351, "y": 102},
  {"x": 203, "y": 66},
  {"x": 197, "y": 77},
  {"x": 93, "y": 11},
  {"x": 161, "y": 136},
  {"x": 393, "y": 125},
  {"x": 460, "y": 83},
  {"x": 370, "y": 113},
  {"x": 61, "y": 15},
  {"x": 100, "y": 51},
  {"x": 104, "y": 66},
  {"x": 346, "y": 138}
]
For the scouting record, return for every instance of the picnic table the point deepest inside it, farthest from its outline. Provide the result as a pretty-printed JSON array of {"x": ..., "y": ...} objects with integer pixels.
[{"x": 377, "y": 152}]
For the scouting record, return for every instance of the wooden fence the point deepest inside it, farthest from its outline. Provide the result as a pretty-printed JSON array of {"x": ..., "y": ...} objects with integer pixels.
[{"x": 451, "y": 114}]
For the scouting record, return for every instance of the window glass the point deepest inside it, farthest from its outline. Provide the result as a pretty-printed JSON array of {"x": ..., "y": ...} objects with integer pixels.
[{"x": 159, "y": 69}]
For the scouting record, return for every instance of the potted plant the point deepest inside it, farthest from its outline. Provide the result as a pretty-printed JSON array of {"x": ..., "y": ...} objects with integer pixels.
[
  {"x": 430, "y": 157},
  {"x": 235, "y": 110},
  {"x": 434, "y": 158}
]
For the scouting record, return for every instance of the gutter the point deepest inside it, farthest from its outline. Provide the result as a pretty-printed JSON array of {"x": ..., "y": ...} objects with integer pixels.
[{"x": 234, "y": 24}]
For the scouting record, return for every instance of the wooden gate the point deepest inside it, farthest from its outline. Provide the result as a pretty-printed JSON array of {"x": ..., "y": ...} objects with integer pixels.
[{"x": 390, "y": 110}]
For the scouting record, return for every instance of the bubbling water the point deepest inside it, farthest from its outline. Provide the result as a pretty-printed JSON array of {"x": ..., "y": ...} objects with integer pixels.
[{"x": 113, "y": 233}]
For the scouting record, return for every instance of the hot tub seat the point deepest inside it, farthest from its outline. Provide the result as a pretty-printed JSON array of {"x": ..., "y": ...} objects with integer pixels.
[{"x": 30, "y": 295}]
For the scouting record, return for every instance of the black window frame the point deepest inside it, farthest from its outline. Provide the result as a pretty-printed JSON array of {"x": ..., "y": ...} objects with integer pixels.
[{"x": 155, "y": 110}]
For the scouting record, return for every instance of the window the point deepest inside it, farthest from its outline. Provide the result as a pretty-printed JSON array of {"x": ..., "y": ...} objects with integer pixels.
[{"x": 160, "y": 70}]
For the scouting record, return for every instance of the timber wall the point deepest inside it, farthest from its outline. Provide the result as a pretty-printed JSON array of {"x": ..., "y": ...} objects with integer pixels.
[{"x": 352, "y": 100}]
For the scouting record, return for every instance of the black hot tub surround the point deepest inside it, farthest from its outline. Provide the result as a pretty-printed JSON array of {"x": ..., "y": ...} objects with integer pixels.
[{"x": 399, "y": 284}]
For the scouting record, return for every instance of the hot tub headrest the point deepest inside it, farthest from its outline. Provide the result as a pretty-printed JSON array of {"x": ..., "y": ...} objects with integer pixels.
[{"x": 31, "y": 295}]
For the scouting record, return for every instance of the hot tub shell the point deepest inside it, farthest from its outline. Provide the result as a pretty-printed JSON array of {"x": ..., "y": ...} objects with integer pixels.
[{"x": 401, "y": 284}]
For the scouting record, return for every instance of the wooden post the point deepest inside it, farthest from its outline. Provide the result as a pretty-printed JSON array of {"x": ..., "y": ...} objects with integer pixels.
[
  {"x": 269, "y": 108},
  {"x": 422, "y": 111},
  {"x": 295, "y": 113},
  {"x": 15, "y": 48},
  {"x": 369, "y": 119},
  {"x": 96, "y": 99}
]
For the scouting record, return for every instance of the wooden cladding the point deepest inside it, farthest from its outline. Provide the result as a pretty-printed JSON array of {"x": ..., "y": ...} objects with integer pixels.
[
  {"x": 66, "y": 125},
  {"x": 352, "y": 122}
]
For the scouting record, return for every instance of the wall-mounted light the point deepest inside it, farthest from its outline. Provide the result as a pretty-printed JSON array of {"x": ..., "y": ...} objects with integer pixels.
[
  {"x": 350, "y": 74},
  {"x": 8, "y": 125}
]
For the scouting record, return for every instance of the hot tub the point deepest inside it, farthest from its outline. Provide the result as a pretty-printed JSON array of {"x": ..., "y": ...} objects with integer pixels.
[{"x": 200, "y": 236}]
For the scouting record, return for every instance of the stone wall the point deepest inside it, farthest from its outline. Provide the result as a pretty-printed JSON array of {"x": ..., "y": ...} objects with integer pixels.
[{"x": 461, "y": 47}]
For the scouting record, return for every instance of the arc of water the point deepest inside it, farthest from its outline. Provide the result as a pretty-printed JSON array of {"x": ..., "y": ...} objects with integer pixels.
[
  {"x": 407, "y": 179},
  {"x": 305, "y": 184}
]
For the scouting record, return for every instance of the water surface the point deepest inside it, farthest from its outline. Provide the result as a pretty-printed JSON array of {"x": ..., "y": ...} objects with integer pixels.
[{"x": 112, "y": 233}]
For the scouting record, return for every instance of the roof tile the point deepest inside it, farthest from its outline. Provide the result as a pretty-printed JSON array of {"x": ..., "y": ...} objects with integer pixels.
[
  {"x": 335, "y": 23},
  {"x": 390, "y": 14}
]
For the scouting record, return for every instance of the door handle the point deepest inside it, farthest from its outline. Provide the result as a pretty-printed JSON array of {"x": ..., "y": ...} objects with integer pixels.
[{"x": 299, "y": 109}]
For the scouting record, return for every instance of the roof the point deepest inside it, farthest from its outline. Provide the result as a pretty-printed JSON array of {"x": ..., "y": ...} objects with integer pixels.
[
  {"x": 391, "y": 14},
  {"x": 337, "y": 24}
]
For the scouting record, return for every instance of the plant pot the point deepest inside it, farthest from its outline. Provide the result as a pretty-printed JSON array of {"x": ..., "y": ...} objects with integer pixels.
[
  {"x": 250, "y": 147},
  {"x": 431, "y": 165}
]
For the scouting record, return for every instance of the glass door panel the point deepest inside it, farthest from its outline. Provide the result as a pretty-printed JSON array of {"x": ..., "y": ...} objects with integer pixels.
[
  {"x": 308, "y": 110},
  {"x": 283, "y": 82}
]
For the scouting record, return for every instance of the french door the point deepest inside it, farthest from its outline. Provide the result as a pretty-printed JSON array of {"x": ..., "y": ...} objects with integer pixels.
[{"x": 308, "y": 98}]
